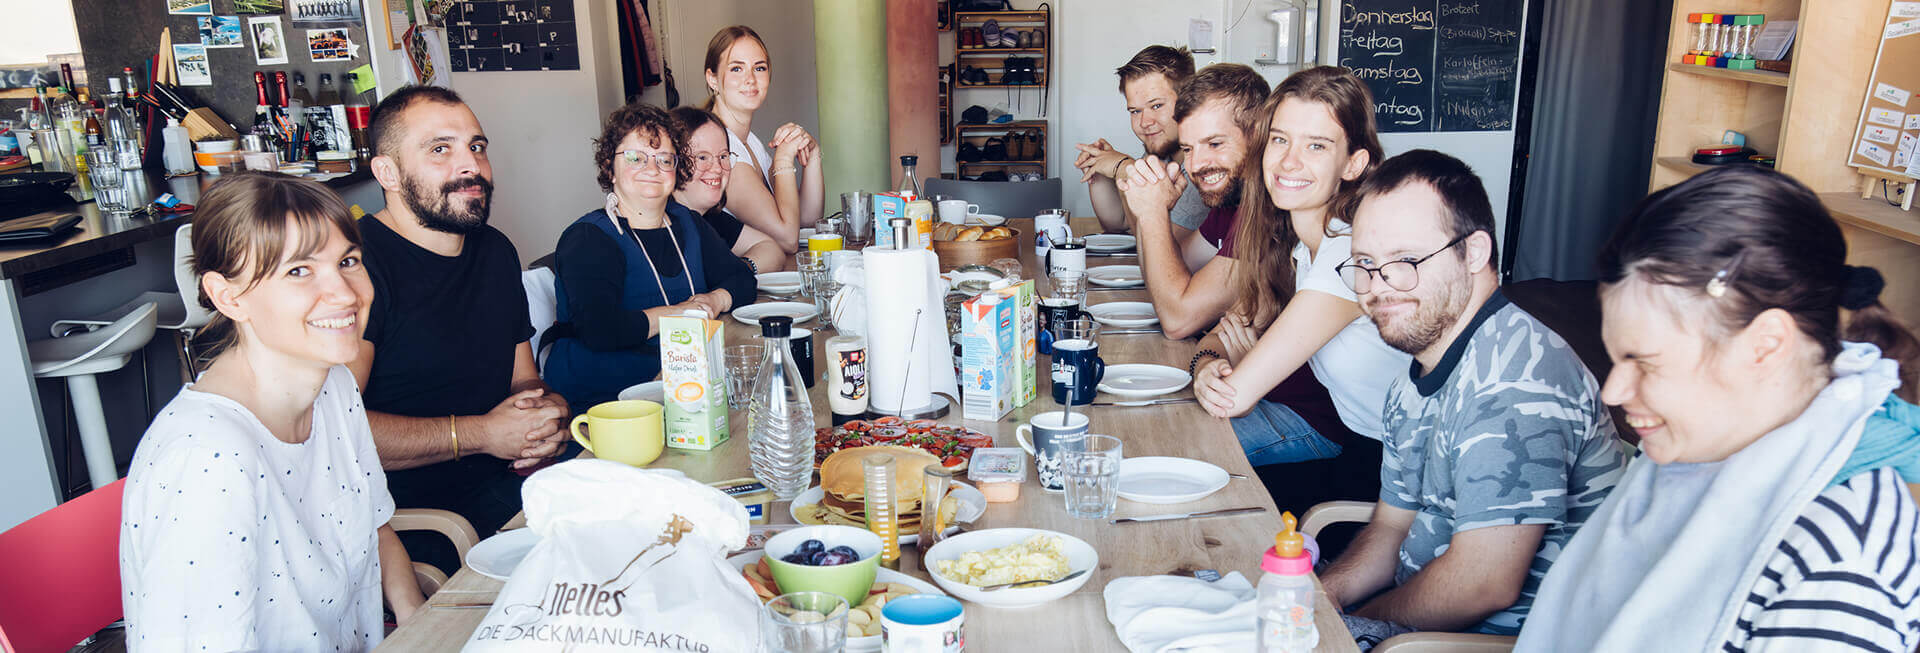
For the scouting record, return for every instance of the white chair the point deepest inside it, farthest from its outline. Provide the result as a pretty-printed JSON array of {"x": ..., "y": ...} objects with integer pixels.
[
  {"x": 78, "y": 358},
  {"x": 543, "y": 307},
  {"x": 1333, "y": 512},
  {"x": 179, "y": 312}
]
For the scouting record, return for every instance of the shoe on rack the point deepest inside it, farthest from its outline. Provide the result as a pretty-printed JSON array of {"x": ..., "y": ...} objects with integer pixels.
[
  {"x": 996, "y": 149},
  {"x": 990, "y": 33},
  {"x": 968, "y": 152}
]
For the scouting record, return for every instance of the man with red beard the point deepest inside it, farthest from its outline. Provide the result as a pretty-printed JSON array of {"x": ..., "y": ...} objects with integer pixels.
[
  {"x": 1496, "y": 445},
  {"x": 1217, "y": 111},
  {"x": 446, "y": 372}
]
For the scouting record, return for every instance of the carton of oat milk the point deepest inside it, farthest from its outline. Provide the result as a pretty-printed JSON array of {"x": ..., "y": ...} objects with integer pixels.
[{"x": 692, "y": 369}]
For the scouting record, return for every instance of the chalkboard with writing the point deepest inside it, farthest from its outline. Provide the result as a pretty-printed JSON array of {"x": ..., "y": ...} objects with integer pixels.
[
  {"x": 1432, "y": 65},
  {"x": 507, "y": 35}
]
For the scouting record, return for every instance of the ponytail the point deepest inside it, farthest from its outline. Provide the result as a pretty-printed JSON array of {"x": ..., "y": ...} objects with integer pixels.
[{"x": 1876, "y": 324}]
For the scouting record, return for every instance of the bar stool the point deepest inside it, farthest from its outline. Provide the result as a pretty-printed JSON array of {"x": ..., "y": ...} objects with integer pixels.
[
  {"x": 179, "y": 312},
  {"x": 78, "y": 358}
]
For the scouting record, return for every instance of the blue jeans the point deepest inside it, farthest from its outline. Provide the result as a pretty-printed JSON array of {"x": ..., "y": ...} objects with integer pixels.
[{"x": 1272, "y": 433}]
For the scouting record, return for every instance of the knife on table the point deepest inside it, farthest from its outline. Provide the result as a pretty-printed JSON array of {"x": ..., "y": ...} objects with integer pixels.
[
  {"x": 1190, "y": 515},
  {"x": 1147, "y": 402}
]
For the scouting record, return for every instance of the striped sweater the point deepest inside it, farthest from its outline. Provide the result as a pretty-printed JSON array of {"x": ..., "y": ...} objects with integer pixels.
[{"x": 1843, "y": 578}]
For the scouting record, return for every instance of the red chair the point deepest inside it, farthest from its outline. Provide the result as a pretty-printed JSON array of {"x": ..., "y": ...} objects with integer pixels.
[{"x": 62, "y": 573}]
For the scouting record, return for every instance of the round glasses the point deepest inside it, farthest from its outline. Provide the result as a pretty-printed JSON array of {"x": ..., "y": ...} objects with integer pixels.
[
  {"x": 707, "y": 159},
  {"x": 1402, "y": 275},
  {"x": 661, "y": 161}
]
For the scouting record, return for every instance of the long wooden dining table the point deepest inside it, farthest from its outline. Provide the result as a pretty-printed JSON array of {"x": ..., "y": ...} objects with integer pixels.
[{"x": 1076, "y": 622}]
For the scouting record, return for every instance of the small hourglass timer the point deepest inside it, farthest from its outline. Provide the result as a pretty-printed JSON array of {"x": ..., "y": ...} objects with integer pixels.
[{"x": 882, "y": 518}]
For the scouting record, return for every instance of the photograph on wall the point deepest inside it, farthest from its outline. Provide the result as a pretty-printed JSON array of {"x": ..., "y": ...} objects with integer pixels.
[
  {"x": 330, "y": 44},
  {"x": 323, "y": 11},
  {"x": 190, "y": 7},
  {"x": 221, "y": 32},
  {"x": 259, "y": 6},
  {"x": 269, "y": 41},
  {"x": 190, "y": 63}
]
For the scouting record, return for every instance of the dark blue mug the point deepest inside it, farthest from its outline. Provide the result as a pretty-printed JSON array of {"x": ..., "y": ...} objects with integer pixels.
[
  {"x": 1053, "y": 311},
  {"x": 1077, "y": 370}
]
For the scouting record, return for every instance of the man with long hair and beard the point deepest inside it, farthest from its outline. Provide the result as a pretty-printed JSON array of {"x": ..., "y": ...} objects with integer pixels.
[{"x": 452, "y": 394}]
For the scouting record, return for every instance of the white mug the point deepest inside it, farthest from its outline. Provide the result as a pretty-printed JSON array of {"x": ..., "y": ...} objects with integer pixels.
[
  {"x": 1049, "y": 227},
  {"x": 957, "y": 211},
  {"x": 1066, "y": 255},
  {"x": 923, "y": 623}
]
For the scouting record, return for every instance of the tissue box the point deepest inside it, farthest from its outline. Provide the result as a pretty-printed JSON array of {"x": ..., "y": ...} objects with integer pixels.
[{"x": 988, "y": 353}]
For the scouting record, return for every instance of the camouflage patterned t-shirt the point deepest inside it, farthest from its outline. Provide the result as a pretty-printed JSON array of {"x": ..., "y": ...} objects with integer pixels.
[{"x": 1507, "y": 429}]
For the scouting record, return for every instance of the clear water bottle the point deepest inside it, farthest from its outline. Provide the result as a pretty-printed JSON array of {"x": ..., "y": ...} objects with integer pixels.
[
  {"x": 1286, "y": 594},
  {"x": 909, "y": 175},
  {"x": 780, "y": 416}
]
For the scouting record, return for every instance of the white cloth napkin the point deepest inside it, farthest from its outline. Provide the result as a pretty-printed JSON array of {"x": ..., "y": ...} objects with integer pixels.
[{"x": 1180, "y": 613}]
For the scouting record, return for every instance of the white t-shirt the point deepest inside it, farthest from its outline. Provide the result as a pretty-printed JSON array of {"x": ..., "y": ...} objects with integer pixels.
[
  {"x": 231, "y": 539},
  {"x": 761, "y": 157},
  {"x": 1356, "y": 366}
]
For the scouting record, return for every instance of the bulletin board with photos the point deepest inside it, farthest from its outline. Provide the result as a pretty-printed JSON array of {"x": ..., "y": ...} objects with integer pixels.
[
  {"x": 512, "y": 35},
  {"x": 1887, "y": 139}
]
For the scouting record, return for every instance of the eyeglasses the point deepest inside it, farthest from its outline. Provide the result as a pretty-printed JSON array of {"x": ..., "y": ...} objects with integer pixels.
[
  {"x": 706, "y": 159},
  {"x": 1402, "y": 275},
  {"x": 662, "y": 161}
]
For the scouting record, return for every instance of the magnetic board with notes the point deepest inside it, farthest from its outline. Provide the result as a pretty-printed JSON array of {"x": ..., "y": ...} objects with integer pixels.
[
  {"x": 512, "y": 35},
  {"x": 1450, "y": 65},
  {"x": 1888, "y": 133}
]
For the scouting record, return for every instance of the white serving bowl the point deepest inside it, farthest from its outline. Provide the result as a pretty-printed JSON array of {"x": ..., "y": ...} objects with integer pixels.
[{"x": 1080, "y": 556}]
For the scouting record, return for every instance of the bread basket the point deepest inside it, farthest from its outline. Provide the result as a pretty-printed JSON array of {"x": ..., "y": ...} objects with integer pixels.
[{"x": 955, "y": 253}]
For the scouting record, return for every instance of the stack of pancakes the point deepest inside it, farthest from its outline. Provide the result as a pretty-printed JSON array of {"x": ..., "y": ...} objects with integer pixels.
[{"x": 843, "y": 480}]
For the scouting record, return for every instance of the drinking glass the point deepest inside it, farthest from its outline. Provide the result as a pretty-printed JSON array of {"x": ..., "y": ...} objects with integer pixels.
[
  {"x": 813, "y": 268},
  {"x": 104, "y": 171},
  {"x": 1008, "y": 266},
  {"x": 1070, "y": 285},
  {"x": 804, "y": 622},
  {"x": 743, "y": 362},
  {"x": 1092, "y": 471},
  {"x": 824, "y": 290}
]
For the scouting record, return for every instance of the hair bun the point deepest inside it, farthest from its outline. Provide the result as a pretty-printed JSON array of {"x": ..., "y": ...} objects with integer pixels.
[{"x": 1862, "y": 288}]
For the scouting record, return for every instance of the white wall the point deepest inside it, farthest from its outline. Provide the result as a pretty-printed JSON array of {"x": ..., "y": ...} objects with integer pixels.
[
  {"x": 685, "y": 26},
  {"x": 36, "y": 29}
]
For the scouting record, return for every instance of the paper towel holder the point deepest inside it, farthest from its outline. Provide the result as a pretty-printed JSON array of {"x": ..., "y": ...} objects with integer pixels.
[{"x": 940, "y": 407}]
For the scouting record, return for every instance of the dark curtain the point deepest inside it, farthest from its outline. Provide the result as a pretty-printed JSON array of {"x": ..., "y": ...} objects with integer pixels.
[{"x": 1596, "y": 104}]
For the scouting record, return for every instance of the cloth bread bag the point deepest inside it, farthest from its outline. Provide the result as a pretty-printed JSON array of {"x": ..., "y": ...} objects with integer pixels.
[{"x": 628, "y": 559}]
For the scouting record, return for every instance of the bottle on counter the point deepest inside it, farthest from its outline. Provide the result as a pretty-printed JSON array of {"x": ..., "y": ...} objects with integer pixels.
[
  {"x": 780, "y": 416},
  {"x": 121, "y": 131},
  {"x": 177, "y": 148},
  {"x": 909, "y": 176},
  {"x": 1286, "y": 594}
]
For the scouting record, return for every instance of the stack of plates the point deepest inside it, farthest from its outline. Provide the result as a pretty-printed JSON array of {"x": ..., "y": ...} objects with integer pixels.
[
  {"x": 799, "y": 311},
  {"x": 1124, "y": 315},
  {"x": 1140, "y": 380},
  {"x": 779, "y": 283}
]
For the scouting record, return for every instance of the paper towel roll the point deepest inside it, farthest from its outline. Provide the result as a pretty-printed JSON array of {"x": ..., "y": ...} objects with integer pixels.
[{"x": 897, "y": 306}]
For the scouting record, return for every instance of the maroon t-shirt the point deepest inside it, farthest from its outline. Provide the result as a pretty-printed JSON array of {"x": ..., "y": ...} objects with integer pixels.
[{"x": 1218, "y": 228}]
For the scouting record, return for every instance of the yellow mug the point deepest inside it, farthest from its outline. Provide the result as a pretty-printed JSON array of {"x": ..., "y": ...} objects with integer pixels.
[{"x": 625, "y": 431}]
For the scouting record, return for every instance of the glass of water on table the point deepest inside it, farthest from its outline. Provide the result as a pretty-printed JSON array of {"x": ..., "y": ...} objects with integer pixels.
[
  {"x": 816, "y": 281},
  {"x": 804, "y": 622},
  {"x": 1092, "y": 472},
  {"x": 743, "y": 362}
]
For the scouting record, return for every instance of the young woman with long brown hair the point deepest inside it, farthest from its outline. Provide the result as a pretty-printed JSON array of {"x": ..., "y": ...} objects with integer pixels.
[
  {"x": 1318, "y": 139},
  {"x": 769, "y": 191},
  {"x": 256, "y": 510}
]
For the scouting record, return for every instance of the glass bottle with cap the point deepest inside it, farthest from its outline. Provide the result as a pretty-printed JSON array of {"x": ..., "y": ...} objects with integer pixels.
[
  {"x": 780, "y": 415},
  {"x": 909, "y": 177}
]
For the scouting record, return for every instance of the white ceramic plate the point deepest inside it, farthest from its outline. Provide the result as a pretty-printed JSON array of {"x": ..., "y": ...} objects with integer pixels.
[
  {"x": 973, "y": 504},
  {"x": 954, "y": 279},
  {"x": 1080, "y": 555},
  {"x": 497, "y": 556},
  {"x": 885, "y": 575},
  {"x": 779, "y": 283},
  {"x": 1116, "y": 276},
  {"x": 1108, "y": 243},
  {"x": 1141, "y": 380},
  {"x": 799, "y": 311},
  {"x": 1156, "y": 479},
  {"x": 654, "y": 391},
  {"x": 1124, "y": 315},
  {"x": 987, "y": 219}
]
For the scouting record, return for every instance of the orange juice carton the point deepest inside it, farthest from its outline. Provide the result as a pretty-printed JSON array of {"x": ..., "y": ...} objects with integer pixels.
[
  {"x": 691, "y": 365},
  {"x": 887, "y": 206},
  {"x": 988, "y": 354}
]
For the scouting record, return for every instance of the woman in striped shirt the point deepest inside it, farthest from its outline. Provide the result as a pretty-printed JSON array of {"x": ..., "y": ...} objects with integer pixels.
[{"x": 1767, "y": 508}]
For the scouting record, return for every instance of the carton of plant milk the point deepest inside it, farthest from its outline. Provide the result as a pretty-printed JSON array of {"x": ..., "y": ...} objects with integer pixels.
[
  {"x": 987, "y": 356},
  {"x": 1026, "y": 312},
  {"x": 692, "y": 369}
]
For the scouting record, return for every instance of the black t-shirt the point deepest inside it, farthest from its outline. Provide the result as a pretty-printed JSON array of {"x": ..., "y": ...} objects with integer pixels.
[
  {"x": 725, "y": 224},
  {"x": 444, "y": 329}
]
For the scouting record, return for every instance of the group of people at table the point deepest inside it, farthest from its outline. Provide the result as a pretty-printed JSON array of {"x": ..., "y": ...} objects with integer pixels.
[{"x": 1351, "y": 311}]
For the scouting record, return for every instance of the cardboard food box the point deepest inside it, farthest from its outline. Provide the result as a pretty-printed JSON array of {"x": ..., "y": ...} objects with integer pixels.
[
  {"x": 886, "y": 206},
  {"x": 1026, "y": 310},
  {"x": 692, "y": 366},
  {"x": 988, "y": 353}
]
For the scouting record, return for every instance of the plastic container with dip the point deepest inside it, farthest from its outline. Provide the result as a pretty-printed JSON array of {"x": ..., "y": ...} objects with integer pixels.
[
  {"x": 998, "y": 472},
  {"x": 751, "y": 493}
]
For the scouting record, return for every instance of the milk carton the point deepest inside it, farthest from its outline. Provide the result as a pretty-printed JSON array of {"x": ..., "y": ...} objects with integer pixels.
[
  {"x": 887, "y": 206},
  {"x": 988, "y": 352},
  {"x": 692, "y": 367},
  {"x": 921, "y": 213},
  {"x": 1026, "y": 312}
]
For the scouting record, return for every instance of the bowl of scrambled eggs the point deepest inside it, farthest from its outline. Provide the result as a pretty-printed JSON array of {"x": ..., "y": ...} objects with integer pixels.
[{"x": 964, "y": 563}]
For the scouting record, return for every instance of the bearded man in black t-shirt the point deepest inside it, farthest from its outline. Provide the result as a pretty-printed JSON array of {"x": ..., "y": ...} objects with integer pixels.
[{"x": 456, "y": 404}]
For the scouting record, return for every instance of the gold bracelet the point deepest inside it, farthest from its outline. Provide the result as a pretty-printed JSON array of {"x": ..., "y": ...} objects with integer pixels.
[
  {"x": 780, "y": 171},
  {"x": 455, "y": 433}
]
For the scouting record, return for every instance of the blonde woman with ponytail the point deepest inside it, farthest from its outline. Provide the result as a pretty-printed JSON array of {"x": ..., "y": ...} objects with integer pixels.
[
  {"x": 777, "y": 192},
  {"x": 255, "y": 514}
]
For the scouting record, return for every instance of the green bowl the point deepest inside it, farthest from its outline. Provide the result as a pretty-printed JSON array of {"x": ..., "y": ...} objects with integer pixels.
[{"x": 851, "y": 581}]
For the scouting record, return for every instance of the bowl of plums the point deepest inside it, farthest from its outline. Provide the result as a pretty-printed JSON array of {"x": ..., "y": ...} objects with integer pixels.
[{"x": 837, "y": 559}]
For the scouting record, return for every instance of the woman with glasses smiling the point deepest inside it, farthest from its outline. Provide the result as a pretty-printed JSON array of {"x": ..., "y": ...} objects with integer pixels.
[
  {"x": 706, "y": 193},
  {"x": 621, "y": 268}
]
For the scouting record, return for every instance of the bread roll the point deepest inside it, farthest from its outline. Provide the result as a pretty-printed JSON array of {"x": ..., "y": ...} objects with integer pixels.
[
  {"x": 998, "y": 233},
  {"x": 970, "y": 233}
]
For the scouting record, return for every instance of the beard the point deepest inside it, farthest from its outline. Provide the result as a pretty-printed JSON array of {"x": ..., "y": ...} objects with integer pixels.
[
  {"x": 1166, "y": 151},
  {"x": 436, "y": 211},
  {"x": 1229, "y": 194},
  {"x": 1431, "y": 317}
]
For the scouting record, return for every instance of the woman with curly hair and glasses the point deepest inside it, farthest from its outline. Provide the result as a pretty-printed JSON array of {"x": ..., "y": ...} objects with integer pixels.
[{"x": 641, "y": 257}]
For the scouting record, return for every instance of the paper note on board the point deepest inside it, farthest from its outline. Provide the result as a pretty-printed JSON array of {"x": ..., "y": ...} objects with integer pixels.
[
  {"x": 1880, "y": 134},
  {"x": 1906, "y": 9},
  {"x": 1904, "y": 154},
  {"x": 363, "y": 80},
  {"x": 1898, "y": 30},
  {"x": 1891, "y": 93},
  {"x": 1913, "y": 121},
  {"x": 1878, "y": 154},
  {"x": 1884, "y": 116}
]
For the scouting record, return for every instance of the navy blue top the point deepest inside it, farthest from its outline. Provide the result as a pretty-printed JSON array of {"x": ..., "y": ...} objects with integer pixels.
[{"x": 604, "y": 284}]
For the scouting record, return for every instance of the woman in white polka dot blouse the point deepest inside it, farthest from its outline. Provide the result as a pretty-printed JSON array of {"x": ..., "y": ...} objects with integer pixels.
[{"x": 256, "y": 511}]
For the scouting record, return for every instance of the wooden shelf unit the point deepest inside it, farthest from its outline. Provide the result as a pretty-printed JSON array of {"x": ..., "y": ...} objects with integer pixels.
[
  {"x": 978, "y": 134},
  {"x": 977, "y": 57},
  {"x": 1755, "y": 76}
]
